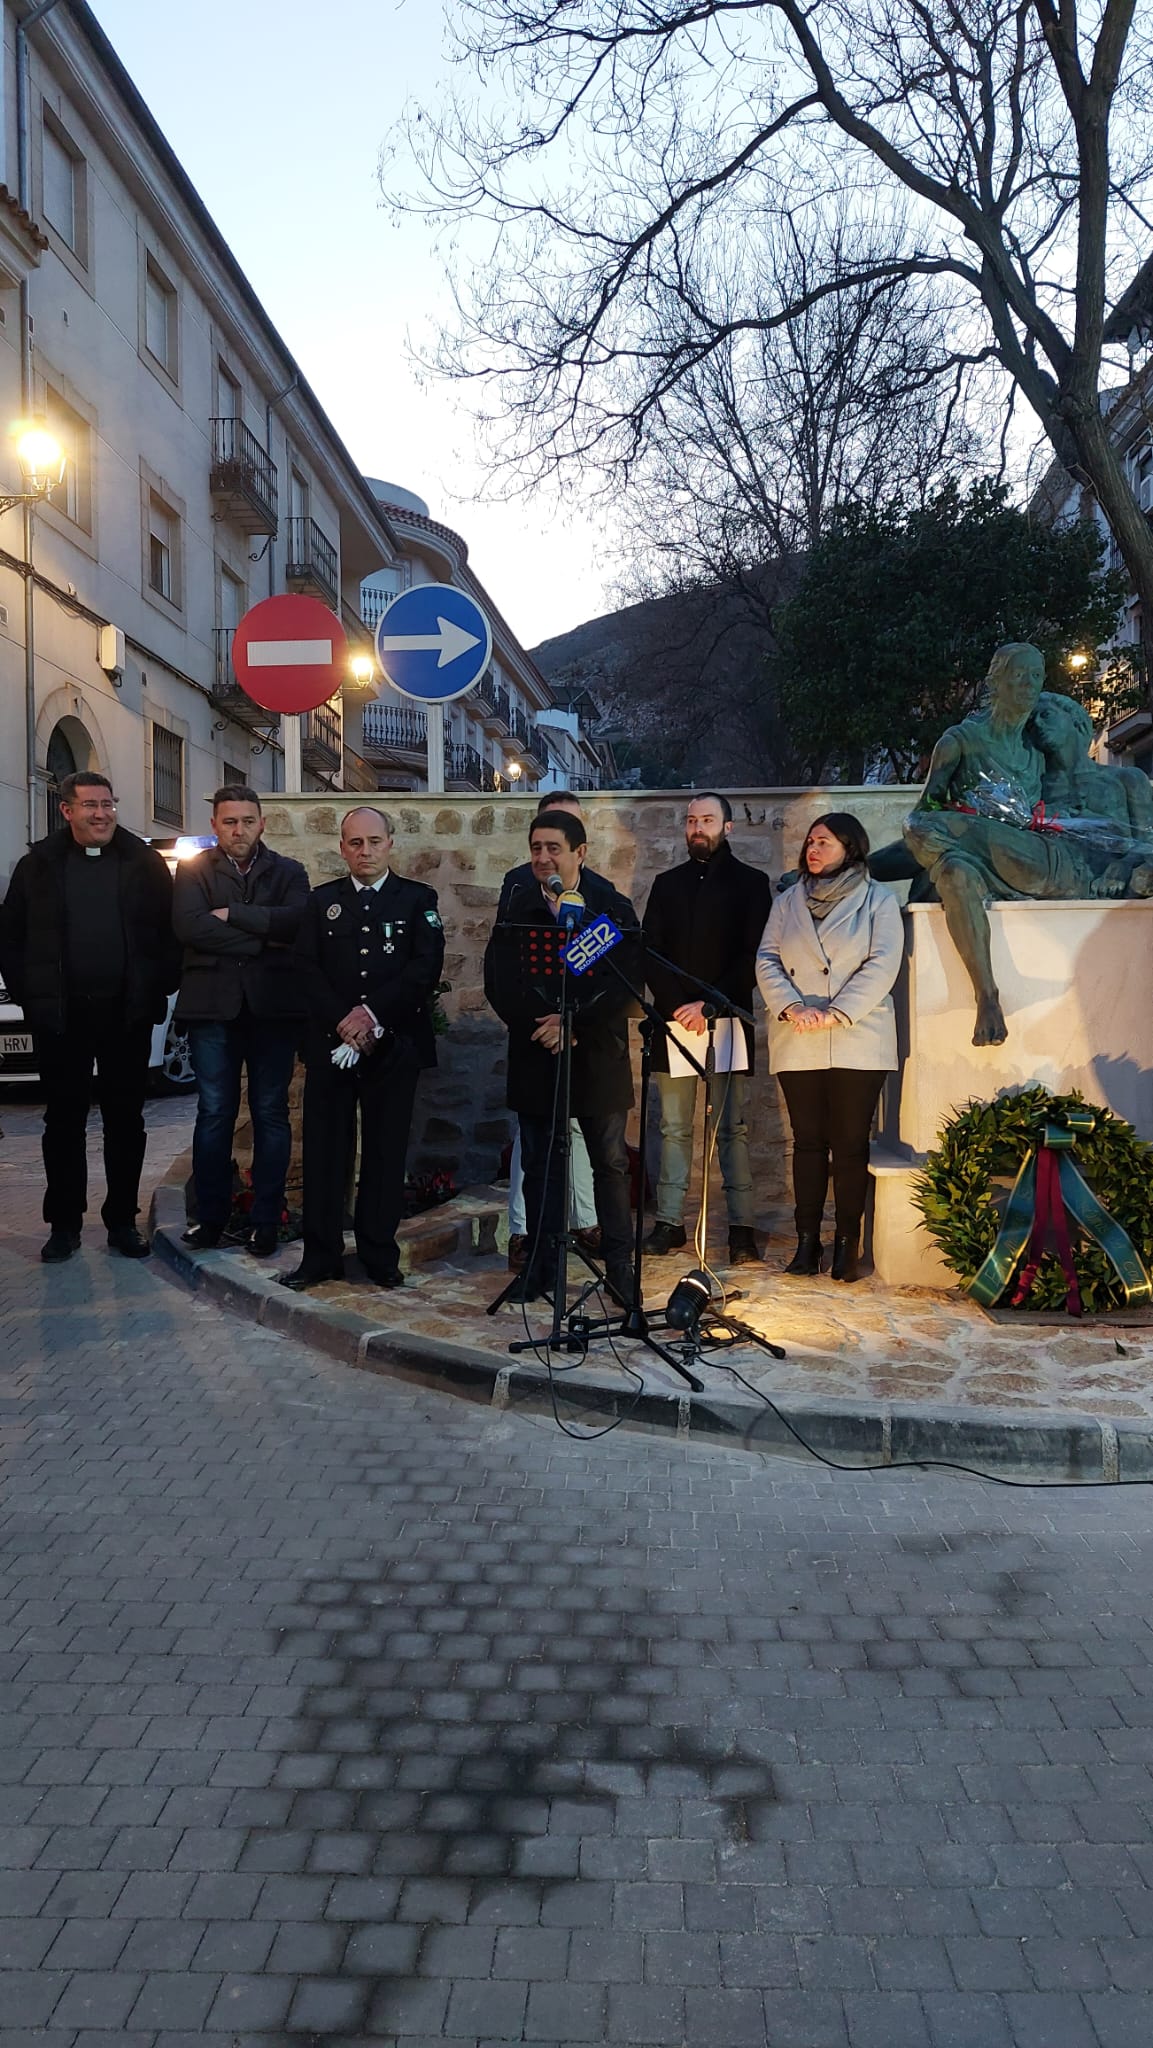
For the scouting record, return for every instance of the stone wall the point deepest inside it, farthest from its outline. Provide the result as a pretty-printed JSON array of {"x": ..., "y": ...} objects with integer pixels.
[{"x": 463, "y": 845}]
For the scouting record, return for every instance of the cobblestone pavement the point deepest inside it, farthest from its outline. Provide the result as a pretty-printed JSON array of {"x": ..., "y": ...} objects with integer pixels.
[{"x": 335, "y": 1711}]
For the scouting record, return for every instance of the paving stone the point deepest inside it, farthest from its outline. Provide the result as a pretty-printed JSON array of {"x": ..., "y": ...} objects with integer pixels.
[{"x": 347, "y": 1712}]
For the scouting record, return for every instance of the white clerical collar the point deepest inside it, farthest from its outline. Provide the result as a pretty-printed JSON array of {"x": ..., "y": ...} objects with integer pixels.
[{"x": 378, "y": 884}]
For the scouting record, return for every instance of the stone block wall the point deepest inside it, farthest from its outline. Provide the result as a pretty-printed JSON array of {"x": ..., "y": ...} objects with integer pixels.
[{"x": 463, "y": 845}]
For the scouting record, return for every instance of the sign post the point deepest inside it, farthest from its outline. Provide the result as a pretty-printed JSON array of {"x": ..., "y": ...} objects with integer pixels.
[
  {"x": 434, "y": 730},
  {"x": 290, "y": 655},
  {"x": 434, "y": 643},
  {"x": 290, "y": 740}
]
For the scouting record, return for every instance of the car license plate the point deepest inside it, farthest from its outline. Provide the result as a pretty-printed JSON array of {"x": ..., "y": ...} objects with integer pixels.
[{"x": 15, "y": 1043}]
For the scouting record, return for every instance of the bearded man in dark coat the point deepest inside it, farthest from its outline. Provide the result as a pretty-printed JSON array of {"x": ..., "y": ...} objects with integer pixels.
[{"x": 707, "y": 917}]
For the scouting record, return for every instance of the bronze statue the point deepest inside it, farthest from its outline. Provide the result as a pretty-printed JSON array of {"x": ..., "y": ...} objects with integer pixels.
[{"x": 1014, "y": 807}]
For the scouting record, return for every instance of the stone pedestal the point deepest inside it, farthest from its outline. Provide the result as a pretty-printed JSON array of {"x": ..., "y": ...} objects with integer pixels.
[{"x": 1076, "y": 982}]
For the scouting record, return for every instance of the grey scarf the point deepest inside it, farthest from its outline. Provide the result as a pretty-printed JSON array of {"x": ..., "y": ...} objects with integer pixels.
[{"x": 824, "y": 892}]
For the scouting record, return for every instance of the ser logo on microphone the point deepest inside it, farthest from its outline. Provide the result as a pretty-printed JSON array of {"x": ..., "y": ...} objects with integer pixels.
[{"x": 591, "y": 944}]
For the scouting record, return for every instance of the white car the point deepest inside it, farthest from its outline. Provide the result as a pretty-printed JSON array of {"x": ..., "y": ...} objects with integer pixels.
[{"x": 170, "y": 1061}]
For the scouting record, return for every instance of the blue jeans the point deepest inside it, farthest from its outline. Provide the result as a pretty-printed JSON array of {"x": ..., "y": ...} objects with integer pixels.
[
  {"x": 678, "y": 1099},
  {"x": 267, "y": 1047}
]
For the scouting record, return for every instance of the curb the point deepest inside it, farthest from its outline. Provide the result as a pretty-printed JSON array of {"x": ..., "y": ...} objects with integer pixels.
[{"x": 1045, "y": 1446}]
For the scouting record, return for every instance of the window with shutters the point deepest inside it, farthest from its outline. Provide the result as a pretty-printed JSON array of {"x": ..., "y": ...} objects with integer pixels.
[
  {"x": 167, "y": 777},
  {"x": 64, "y": 186}
]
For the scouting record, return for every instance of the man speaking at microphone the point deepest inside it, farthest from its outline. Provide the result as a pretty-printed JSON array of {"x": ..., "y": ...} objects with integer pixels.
[{"x": 602, "y": 1086}]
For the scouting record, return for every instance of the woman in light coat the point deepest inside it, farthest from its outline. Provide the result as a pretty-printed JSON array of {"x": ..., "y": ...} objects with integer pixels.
[{"x": 826, "y": 967}]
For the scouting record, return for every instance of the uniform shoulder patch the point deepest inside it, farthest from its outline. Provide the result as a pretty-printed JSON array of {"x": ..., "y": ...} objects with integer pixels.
[{"x": 433, "y": 917}]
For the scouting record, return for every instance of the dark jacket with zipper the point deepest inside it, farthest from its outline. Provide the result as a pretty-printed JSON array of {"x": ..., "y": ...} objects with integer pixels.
[
  {"x": 34, "y": 939},
  {"x": 602, "y": 1078},
  {"x": 707, "y": 917},
  {"x": 245, "y": 961}
]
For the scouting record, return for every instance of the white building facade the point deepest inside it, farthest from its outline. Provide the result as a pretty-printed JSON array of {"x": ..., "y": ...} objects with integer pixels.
[{"x": 202, "y": 473}]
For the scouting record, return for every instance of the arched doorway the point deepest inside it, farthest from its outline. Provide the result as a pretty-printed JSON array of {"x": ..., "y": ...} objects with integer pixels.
[
  {"x": 61, "y": 762},
  {"x": 69, "y": 748}
]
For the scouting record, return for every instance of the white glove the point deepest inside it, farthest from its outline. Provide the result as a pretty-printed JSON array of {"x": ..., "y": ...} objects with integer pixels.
[{"x": 345, "y": 1056}]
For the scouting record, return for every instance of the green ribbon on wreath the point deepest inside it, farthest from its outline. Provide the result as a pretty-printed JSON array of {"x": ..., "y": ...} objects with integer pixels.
[{"x": 1048, "y": 1190}]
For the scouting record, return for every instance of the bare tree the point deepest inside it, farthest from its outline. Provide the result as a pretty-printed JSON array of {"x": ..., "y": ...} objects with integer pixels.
[
  {"x": 781, "y": 426},
  {"x": 642, "y": 136}
]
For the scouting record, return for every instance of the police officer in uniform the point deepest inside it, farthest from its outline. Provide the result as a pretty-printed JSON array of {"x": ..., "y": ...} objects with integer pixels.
[{"x": 370, "y": 952}]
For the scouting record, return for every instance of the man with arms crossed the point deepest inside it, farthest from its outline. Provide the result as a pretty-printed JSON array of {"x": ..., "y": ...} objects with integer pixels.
[{"x": 237, "y": 911}]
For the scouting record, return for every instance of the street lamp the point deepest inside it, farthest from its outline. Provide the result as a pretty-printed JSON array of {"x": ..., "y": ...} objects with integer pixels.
[
  {"x": 1078, "y": 660},
  {"x": 42, "y": 464},
  {"x": 514, "y": 771},
  {"x": 362, "y": 669}
]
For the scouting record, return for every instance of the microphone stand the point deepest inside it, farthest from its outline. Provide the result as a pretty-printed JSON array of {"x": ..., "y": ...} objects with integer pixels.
[{"x": 565, "y": 1240}]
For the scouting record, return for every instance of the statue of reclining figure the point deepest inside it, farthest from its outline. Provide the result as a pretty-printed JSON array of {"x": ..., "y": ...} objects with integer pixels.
[{"x": 1013, "y": 807}]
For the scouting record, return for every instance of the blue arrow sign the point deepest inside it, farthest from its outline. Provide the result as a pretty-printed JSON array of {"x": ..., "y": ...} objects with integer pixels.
[{"x": 433, "y": 642}]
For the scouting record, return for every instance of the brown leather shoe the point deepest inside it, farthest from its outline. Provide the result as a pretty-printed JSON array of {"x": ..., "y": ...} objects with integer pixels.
[{"x": 517, "y": 1253}]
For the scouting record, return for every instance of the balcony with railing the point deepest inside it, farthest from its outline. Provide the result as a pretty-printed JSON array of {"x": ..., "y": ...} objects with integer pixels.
[
  {"x": 463, "y": 767},
  {"x": 483, "y": 694},
  {"x": 311, "y": 567},
  {"x": 360, "y": 636},
  {"x": 392, "y": 732},
  {"x": 322, "y": 739},
  {"x": 536, "y": 747},
  {"x": 243, "y": 478},
  {"x": 227, "y": 691},
  {"x": 373, "y": 603}
]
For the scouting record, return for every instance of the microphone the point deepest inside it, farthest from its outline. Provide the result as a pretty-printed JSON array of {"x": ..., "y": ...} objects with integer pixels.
[
  {"x": 570, "y": 909},
  {"x": 555, "y": 886}
]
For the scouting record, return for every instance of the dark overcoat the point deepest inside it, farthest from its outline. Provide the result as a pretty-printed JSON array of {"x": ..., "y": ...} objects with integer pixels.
[
  {"x": 33, "y": 938},
  {"x": 707, "y": 917},
  {"x": 601, "y": 1071}
]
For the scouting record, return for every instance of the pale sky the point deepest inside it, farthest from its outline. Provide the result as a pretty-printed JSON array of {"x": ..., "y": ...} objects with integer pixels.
[{"x": 277, "y": 109}]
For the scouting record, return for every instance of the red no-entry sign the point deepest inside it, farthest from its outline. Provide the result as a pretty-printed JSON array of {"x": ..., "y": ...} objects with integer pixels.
[{"x": 290, "y": 653}]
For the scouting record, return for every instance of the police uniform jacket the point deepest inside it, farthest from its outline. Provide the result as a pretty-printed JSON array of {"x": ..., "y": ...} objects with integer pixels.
[
  {"x": 708, "y": 917},
  {"x": 381, "y": 947},
  {"x": 602, "y": 1078}
]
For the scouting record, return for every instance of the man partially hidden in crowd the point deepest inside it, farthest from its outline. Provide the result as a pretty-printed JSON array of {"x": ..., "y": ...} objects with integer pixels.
[
  {"x": 369, "y": 956},
  {"x": 706, "y": 916},
  {"x": 86, "y": 949},
  {"x": 602, "y": 1088},
  {"x": 237, "y": 911},
  {"x": 584, "y": 1213}
]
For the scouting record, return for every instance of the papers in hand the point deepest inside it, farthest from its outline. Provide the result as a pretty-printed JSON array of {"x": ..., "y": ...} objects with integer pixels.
[{"x": 732, "y": 1052}]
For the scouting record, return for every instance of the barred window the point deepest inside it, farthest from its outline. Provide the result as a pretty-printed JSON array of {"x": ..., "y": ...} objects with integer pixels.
[{"x": 167, "y": 777}]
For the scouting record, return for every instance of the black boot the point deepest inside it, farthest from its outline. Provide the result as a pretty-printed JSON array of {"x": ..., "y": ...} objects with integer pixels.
[
  {"x": 845, "y": 1256},
  {"x": 743, "y": 1246},
  {"x": 806, "y": 1260}
]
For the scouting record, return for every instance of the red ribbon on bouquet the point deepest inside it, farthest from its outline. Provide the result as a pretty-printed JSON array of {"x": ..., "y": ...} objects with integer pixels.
[
  {"x": 1049, "y": 1216},
  {"x": 1040, "y": 823}
]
